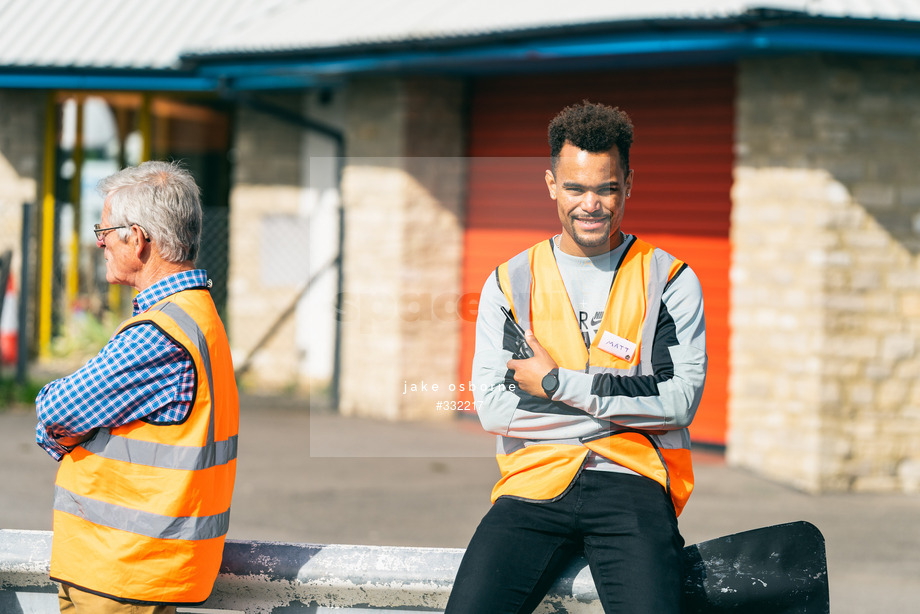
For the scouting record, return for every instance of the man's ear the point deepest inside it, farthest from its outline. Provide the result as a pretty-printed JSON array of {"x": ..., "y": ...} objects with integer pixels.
[
  {"x": 551, "y": 183},
  {"x": 140, "y": 239}
]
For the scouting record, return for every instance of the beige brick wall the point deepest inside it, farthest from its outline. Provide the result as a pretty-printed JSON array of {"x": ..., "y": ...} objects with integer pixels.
[
  {"x": 402, "y": 193},
  {"x": 22, "y": 118},
  {"x": 267, "y": 182},
  {"x": 403, "y": 196},
  {"x": 825, "y": 385},
  {"x": 22, "y": 122}
]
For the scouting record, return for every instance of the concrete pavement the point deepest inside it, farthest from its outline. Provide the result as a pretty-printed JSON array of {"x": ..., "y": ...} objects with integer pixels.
[{"x": 314, "y": 476}]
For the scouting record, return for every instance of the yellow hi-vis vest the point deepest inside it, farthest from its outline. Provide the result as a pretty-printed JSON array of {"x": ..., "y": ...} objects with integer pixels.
[
  {"x": 544, "y": 469},
  {"x": 141, "y": 510}
]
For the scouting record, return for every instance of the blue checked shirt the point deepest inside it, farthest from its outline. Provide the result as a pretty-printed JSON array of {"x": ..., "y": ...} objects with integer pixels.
[{"x": 139, "y": 374}]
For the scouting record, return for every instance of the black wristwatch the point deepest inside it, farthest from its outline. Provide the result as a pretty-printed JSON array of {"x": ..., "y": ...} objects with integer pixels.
[{"x": 550, "y": 382}]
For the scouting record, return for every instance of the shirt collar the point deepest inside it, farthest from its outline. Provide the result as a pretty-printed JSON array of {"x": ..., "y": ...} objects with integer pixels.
[{"x": 177, "y": 282}]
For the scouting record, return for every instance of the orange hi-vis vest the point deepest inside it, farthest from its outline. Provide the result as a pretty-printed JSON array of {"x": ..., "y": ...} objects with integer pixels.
[
  {"x": 543, "y": 469},
  {"x": 141, "y": 510}
]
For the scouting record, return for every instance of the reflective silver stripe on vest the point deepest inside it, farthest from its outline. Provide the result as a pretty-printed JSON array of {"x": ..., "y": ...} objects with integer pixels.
[
  {"x": 509, "y": 445},
  {"x": 673, "y": 440},
  {"x": 162, "y": 455},
  {"x": 168, "y": 456},
  {"x": 142, "y": 523},
  {"x": 659, "y": 266},
  {"x": 193, "y": 332},
  {"x": 678, "y": 439},
  {"x": 658, "y": 279},
  {"x": 520, "y": 278}
]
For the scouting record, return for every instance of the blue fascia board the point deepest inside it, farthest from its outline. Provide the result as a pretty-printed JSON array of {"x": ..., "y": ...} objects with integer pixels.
[
  {"x": 645, "y": 48},
  {"x": 470, "y": 57},
  {"x": 74, "y": 79},
  {"x": 275, "y": 82},
  {"x": 739, "y": 43},
  {"x": 873, "y": 43}
]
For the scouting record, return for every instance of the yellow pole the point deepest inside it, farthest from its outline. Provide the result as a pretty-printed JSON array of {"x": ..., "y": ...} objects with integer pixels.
[
  {"x": 47, "y": 245},
  {"x": 145, "y": 125},
  {"x": 73, "y": 272},
  {"x": 146, "y": 128}
]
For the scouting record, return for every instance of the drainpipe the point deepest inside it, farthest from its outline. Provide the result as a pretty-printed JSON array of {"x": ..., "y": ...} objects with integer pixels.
[{"x": 338, "y": 137}]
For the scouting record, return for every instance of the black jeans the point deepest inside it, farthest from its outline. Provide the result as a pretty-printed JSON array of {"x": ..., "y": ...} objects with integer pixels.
[{"x": 624, "y": 524}]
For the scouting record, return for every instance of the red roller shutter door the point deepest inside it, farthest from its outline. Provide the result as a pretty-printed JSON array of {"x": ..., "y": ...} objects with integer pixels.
[{"x": 683, "y": 159}]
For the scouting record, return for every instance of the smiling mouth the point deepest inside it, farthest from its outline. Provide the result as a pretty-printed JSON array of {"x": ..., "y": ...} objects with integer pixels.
[{"x": 592, "y": 221}]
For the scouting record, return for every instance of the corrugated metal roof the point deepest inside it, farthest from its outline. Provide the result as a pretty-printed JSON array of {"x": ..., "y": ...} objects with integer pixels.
[
  {"x": 144, "y": 34},
  {"x": 321, "y": 24},
  {"x": 155, "y": 34}
]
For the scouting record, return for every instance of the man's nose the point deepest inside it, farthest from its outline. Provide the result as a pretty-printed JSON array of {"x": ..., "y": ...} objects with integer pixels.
[{"x": 591, "y": 201}]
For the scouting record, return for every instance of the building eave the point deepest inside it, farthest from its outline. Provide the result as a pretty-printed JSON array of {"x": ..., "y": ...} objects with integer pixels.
[
  {"x": 620, "y": 44},
  {"x": 658, "y": 43},
  {"x": 81, "y": 78}
]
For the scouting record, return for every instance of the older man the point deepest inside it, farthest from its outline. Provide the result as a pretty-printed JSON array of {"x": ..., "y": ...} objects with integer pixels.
[{"x": 146, "y": 431}]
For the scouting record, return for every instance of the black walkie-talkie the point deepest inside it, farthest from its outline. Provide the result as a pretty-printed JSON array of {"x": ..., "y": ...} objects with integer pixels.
[{"x": 521, "y": 349}]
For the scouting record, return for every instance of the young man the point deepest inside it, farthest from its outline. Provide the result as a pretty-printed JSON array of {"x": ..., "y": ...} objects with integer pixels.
[
  {"x": 146, "y": 432},
  {"x": 593, "y": 444}
]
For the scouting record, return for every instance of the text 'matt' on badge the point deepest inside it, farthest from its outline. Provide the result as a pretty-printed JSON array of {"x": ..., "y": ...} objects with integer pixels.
[{"x": 618, "y": 346}]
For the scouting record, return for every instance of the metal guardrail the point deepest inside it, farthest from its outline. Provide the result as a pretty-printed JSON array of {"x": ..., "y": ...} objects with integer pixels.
[
  {"x": 272, "y": 577},
  {"x": 774, "y": 570}
]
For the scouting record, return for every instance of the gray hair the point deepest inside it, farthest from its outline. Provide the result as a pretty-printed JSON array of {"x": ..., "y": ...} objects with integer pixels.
[{"x": 163, "y": 199}]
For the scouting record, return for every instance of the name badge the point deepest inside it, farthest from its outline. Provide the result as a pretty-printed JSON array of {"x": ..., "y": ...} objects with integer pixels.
[{"x": 618, "y": 346}]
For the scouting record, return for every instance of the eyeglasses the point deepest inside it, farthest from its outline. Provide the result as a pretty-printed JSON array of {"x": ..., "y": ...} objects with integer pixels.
[{"x": 101, "y": 232}]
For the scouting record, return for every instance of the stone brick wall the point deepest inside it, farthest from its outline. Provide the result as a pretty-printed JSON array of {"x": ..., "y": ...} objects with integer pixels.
[
  {"x": 22, "y": 122},
  {"x": 22, "y": 118},
  {"x": 403, "y": 196},
  {"x": 825, "y": 384},
  {"x": 267, "y": 182}
]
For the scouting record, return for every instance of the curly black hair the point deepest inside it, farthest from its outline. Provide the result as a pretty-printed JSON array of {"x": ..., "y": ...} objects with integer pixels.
[{"x": 592, "y": 127}]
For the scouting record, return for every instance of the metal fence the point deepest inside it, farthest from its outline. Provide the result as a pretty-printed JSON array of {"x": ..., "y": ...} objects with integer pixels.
[{"x": 214, "y": 255}]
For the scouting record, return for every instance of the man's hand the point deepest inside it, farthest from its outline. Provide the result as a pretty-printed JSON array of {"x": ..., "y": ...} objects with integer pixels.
[
  {"x": 529, "y": 372},
  {"x": 70, "y": 441}
]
